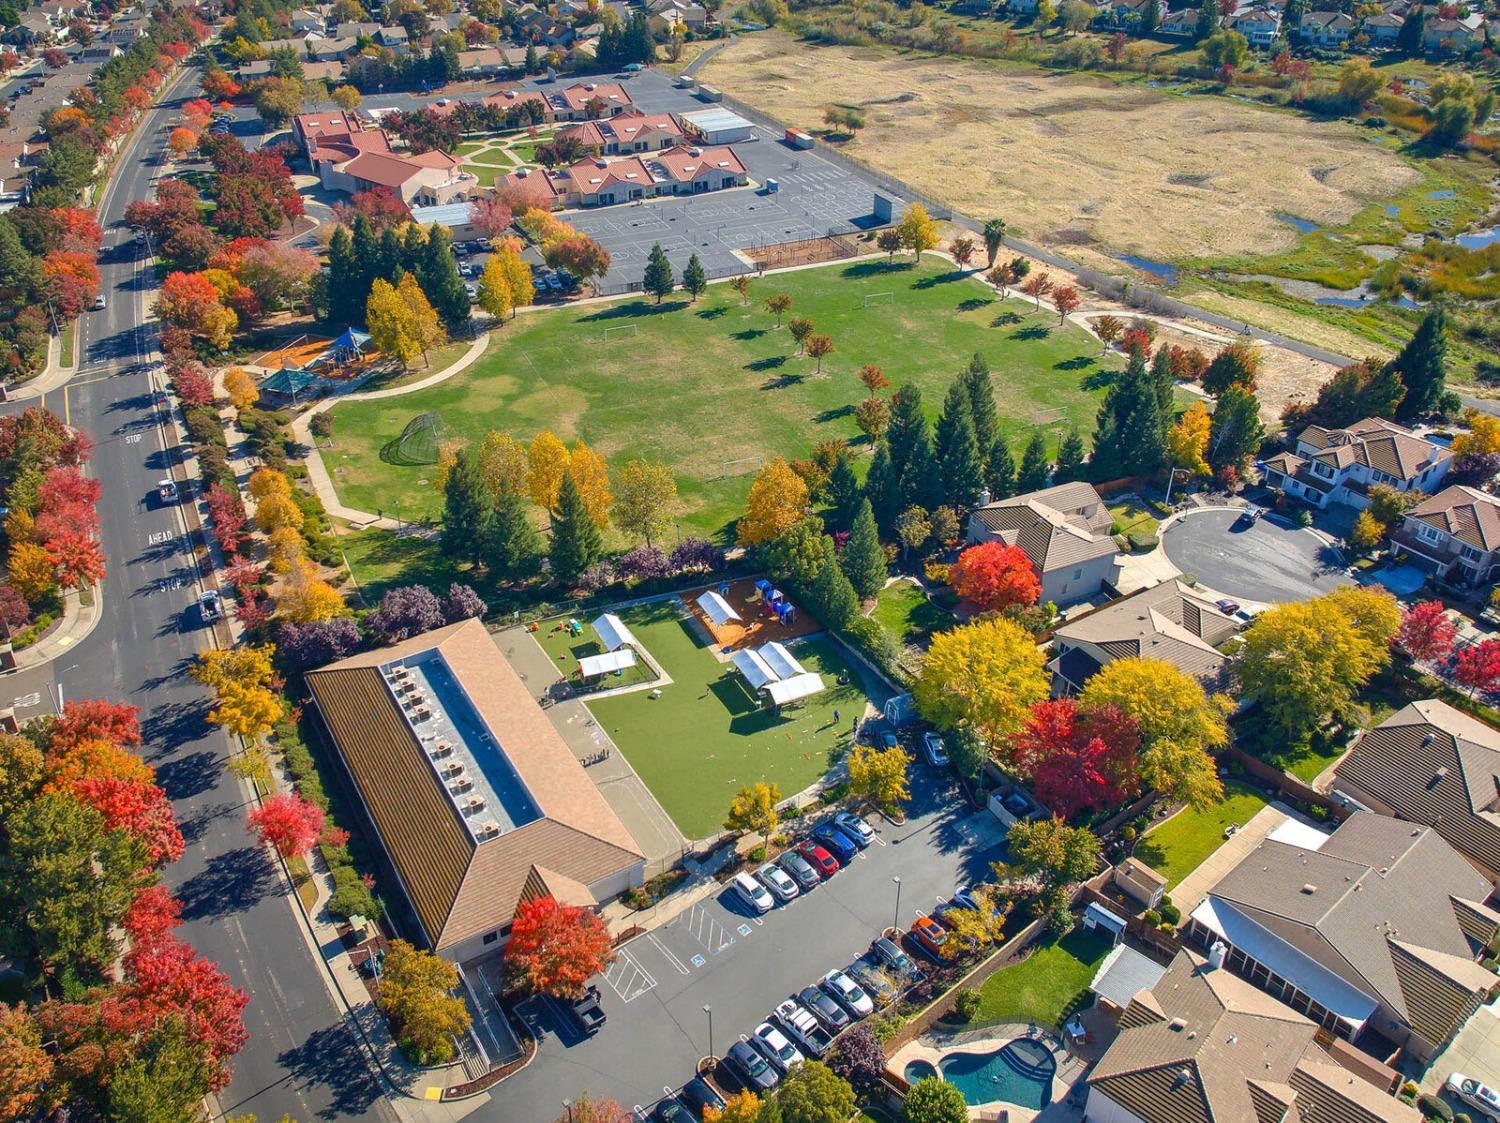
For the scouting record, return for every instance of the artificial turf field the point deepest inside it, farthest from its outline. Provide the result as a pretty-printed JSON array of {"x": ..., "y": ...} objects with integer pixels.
[
  {"x": 712, "y": 386},
  {"x": 705, "y": 737}
]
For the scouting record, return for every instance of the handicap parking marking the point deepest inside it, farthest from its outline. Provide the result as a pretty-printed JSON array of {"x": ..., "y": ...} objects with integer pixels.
[
  {"x": 672, "y": 959},
  {"x": 627, "y": 978},
  {"x": 698, "y": 961},
  {"x": 708, "y": 931}
]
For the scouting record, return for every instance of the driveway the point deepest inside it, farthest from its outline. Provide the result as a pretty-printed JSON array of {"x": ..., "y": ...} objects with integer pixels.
[
  {"x": 1474, "y": 1051},
  {"x": 718, "y": 955},
  {"x": 1271, "y": 562}
]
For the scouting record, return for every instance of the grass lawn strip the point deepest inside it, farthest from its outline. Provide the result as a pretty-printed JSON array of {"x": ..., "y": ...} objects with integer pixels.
[
  {"x": 1180, "y": 845},
  {"x": 904, "y": 610},
  {"x": 670, "y": 390},
  {"x": 705, "y": 737},
  {"x": 1041, "y": 988}
]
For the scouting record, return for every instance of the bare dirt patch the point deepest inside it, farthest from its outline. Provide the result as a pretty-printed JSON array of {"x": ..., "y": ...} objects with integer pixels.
[{"x": 1178, "y": 177}]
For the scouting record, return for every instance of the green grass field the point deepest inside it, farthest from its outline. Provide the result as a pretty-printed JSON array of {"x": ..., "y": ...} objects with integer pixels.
[
  {"x": 706, "y": 737},
  {"x": 906, "y": 612},
  {"x": 704, "y": 386},
  {"x": 1044, "y": 985},
  {"x": 1180, "y": 845}
]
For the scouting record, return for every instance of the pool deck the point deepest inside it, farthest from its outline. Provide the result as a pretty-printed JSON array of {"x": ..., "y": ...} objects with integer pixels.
[{"x": 934, "y": 1045}]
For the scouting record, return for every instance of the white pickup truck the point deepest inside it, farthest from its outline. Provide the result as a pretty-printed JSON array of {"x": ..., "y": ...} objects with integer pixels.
[
  {"x": 167, "y": 491},
  {"x": 803, "y": 1028}
]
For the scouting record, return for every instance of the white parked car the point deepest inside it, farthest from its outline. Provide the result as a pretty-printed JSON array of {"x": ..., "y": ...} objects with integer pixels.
[
  {"x": 752, "y": 892},
  {"x": 777, "y": 1049},
  {"x": 1481, "y": 1097},
  {"x": 848, "y": 992},
  {"x": 776, "y": 879}
]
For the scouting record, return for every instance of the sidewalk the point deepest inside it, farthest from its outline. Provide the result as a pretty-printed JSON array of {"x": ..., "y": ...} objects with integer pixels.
[
  {"x": 78, "y": 620},
  {"x": 53, "y": 376}
]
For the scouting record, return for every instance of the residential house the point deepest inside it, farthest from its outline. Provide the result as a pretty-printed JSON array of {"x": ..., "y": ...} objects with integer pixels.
[
  {"x": 1383, "y": 29},
  {"x": 1430, "y": 763},
  {"x": 475, "y": 799},
  {"x": 306, "y": 19},
  {"x": 601, "y": 183},
  {"x": 1124, "y": 14},
  {"x": 1453, "y": 36},
  {"x": 1170, "y": 621},
  {"x": 1455, "y": 536},
  {"x": 126, "y": 29},
  {"x": 1341, "y": 465},
  {"x": 394, "y": 39},
  {"x": 338, "y": 49},
  {"x": 97, "y": 52},
  {"x": 631, "y": 131},
  {"x": 1325, "y": 29},
  {"x": 35, "y": 30},
  {"x": 356, "y": 29},
  {"x": 1064, "y": 530},
  {"x": 486, "y": 62},
  {"x": 1259, "y": 25},
  {"x": 1183, "y": 22},
  {"x": 663, "y": 15},
  {"x": 296, "y": 46},
  {"x": 1374, "y": 932},
  {"x": 1021, "y": 7},
  {"x": 1203, "y": 1046},
  {"x": 350, "y": 155},
  {"x": 585, "y": 101},
  {"x": 323, "y": 71}
]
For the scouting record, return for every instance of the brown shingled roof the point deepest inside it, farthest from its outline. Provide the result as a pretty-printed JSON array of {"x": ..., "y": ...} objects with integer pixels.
[
  {"x": 1056, "y": 527},
  {"x": 1470, "y": 515}
]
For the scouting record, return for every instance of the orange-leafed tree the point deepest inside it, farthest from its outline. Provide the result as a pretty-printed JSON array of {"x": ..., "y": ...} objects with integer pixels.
[
  {"x": 1065, "y": 299},
  {"x": 558, "y": 947},
  {"x": 995, "y": 576},
  {"x": 25, "y": 1065},
  {"x": 78, "y": 557},
  {"x": 94, "y": 760},
  {"x": 139, "y": 809},
  {"x": 288, "y": 822},
  {"x": 182, "y": 140},
  {"x": 96, "y": 719}
]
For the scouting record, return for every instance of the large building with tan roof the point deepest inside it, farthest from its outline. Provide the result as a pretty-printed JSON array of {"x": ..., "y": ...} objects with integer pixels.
[
  {"x": 351, "y": 155},
  {"x": 1374, "y": 932},
  {"x": 1064, "y": 530},
  {"x": 601, "y": 182},
  {"x": 1454, "y": 535},
  {"x": 476, "y": 800},
  {"x": 1341, "y": 465},
  {"x": 629, "y": 132},
  {"x": 1203, "y": 1046}
]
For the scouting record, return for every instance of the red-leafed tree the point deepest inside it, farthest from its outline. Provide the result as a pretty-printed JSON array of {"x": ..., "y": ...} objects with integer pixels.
[
  {"x": 1426, "y": 634},
  {"x": 141, "y": 810},
  {"x": 288, "y": 822},
  {"x": 97, "y": 719},
  {"x": 995, "y": 576},
  {"x": 1135, "y": 339},
  {"x": 491, "y": 216},
  {"x": 1065, "y": 299},
  {"x": 80, "y": 231},
  {"x": 79, "y": 558},
  {"x": 1079, "y": 758},
  {"x": 193, "y": 385},
  {"x": 247, "y": 206},
  {"x": 170, "y": 978},
  {"x": 72, "y": 281},
  {"x": 153, "y": 914},
  {"x": 218, "y": 85},
  {"x": 380, "y": 205},
  {"x": 580, "y": 255},
  {"x": 1477, "y": 667},
  {"x": 228, "y": 515},
  {"x": 558, "y": 947},
  {"x": 253, "y": 612}
]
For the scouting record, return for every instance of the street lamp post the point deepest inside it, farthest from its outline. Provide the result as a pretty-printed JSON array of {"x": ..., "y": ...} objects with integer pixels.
[
  {"x": 896, "y": 923},
  {"x": 568, "y": 1104},
  {"x": 709, "y": 1010}
]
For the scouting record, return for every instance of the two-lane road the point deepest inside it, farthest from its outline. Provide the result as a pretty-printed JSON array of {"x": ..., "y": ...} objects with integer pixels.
[{"x": 302, "y": 1059}]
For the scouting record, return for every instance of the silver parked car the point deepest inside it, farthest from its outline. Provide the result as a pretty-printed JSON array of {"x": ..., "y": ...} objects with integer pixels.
[
  {"x": 796, "y": 865},
  {"x": 774, "y": 878},
  {"x": 753, "y": 893}
]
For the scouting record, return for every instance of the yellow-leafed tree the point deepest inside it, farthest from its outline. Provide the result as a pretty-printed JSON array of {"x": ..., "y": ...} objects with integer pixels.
[
  {"x": 591, "y": 474},
  {"x": 742, "y": 1107},
  {"x": 502, "y": 462},
  {"x": 879, "y": 775},
  {"x": 546, "y": 461},
  {"x": 268, "y": 481},
  {"x": 494, "y": 289},
  {"x": 240, "y": 678},
  {"x": 518, "y": 273},
  {"x": 239, "y": 384},
  {"x": 277, "y": 510},
  {"x": 778, "y": 501},
  {"x": 1187, "y": 441},
  {"x": 918, "y": 231},
  {"x": 645, "y": 495},
  {"x": 754, "y": 809},
  {"x": 33, "y": 571},
  {"x": 401, "y": 320},
  {"x": 286, "y": 548},
  {"x": 986, "y": 675},
  {"x": 307, "y": 597}
]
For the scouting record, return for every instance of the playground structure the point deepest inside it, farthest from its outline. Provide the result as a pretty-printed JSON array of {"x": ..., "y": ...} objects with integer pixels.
[
  {"x": 745, "y": 613},
  {"x": 295, "y": 368}
]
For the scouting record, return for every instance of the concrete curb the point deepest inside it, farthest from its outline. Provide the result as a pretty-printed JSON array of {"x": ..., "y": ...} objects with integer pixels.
[{"x": 78, "y": 621}]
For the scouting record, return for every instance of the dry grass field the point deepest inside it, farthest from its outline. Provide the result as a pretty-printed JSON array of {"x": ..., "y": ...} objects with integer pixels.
[{"x": 1073, "y": 160}]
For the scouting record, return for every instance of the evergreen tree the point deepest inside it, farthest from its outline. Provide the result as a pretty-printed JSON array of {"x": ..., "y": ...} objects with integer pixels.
[
  {"x": 1422, "y": 364},
  {"x": 834, "y": 599},
  {"x": 960, "y": 470},
  {"x": 466, "y": 511},
  {"x": 1236, "y": 431},
  {"x": 576, "y": 543},
  {"x": 864, "y": 557},
  {"x": 694, "y": 279},
  {"x": 1409, "y": 38},
  {"x": 908, "y": 423},
  {"x": 1151, "y": 17},
  {"x": 844, "y": 496},
  {"x": 411, "y": 248},
  {"x": 1000, "y": 470},
  {"x": 658, "y": 280},
  {"x": 921, "y": 479},
  {"x": 513, "y": 545},
  {"x": 1131, "y": 439},
  {"x": 439, "y": 278},
  {"x": 533, "y": 66},
  {"x": 1208, "y": 19},
  {"x": 1034, "y": 466},
  {"x": 636, "y": 44},
  {"x": 1070, "y": 456},
  {"x": 391, "y": 263},
  {"x": 1165, "y": 384},
  {"x": 883, "y": 488},
  {"x": 342, "y": 281},
  {"x": 981, "y": 402},
  {"x": 366, "y": 259}
]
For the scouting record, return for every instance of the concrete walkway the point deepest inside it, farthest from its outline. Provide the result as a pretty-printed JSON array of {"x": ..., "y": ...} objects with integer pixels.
[
  {"x": 1190, "y": 891},
  {"x": 649, "y": 825},
  {"x": 78, "y": 620},
  {"x": 317, "y": 470},
  {"x": 54, "y": 374}
]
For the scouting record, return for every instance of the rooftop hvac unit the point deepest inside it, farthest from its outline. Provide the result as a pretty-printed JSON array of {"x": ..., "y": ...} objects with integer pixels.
[
  {"x": 474, "y": 805},
  {"x": 461, "y": 785},
  {"x": 441, "y": 749},
  {"x": 489, "y": 829},
  {"x": 453, "y": 768},
  {"x": 401, "y": 672}
]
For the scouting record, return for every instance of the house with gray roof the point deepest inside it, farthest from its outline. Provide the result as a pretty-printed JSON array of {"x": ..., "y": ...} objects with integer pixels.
[
  {"x": 1430, "y": 763},
  {"x": 1064, "y": 530},
  {"x": 1374, "y": 932},
  {"x": 1203, "y": 1046},
  {"x": 1455, "y": 536},
  {"x": 1341, "y": 465},
  {"x": 1169, "y": 621}
]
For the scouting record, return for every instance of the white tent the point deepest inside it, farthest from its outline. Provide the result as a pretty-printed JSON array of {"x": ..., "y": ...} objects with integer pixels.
[
  {"x": 719, "y": 610},
  {"x": 780, "y": 660},
  {"x": 613, "y": 632},
  {"x": 791, "y": 689},
  {"x": 591, "y": 665},
  {"x": 752, "y": 665}
]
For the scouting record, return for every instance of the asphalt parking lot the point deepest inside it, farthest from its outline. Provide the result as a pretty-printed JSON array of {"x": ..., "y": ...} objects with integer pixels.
[
  {"x": 718, "y": 954},
  {"x": 1271, "y": 562}
]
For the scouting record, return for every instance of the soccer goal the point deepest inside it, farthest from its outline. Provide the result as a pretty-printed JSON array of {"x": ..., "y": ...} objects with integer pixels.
[
  {"x": 619, "y": 332},
  {"x": 743, "y": 466},
  {"x": 871, "y": 299},
  {"x": 1048, "y": 418}
]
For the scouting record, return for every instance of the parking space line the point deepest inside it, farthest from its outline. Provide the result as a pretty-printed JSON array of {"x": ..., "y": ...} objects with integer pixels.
[
  {"x": 628, "y": 978},
  {"x": 708, "y": 931},
  {"x": 672, "y": 959}
]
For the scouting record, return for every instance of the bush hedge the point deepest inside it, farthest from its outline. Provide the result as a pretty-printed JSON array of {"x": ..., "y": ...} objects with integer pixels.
[{"x": 1433, "y": 1108}]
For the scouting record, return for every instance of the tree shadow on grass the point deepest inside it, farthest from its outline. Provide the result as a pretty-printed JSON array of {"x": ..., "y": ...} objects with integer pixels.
[
  {"x": 770, "y": 362},
  {"x": 973, "y": 304},
  {"x": 1034, "y": 332},
  {"x": 875, "y": 269},
  {"x": 828, "y": 415},
  {"x": 781, "y": 382},
  {"x": 712, "y": 313},
  {"x": 748, "y": 334},
  {"x": 1005, "y": 319},
  {"x": 1077, "y": 362},
  {"x": 1100, "y": 379},
  {"x": 634, "y": 308},
  {"x": 940, "y": 279}
]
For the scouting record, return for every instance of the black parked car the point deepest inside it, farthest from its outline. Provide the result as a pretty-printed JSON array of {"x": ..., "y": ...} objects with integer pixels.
[{"x": 698, "y": 1094}]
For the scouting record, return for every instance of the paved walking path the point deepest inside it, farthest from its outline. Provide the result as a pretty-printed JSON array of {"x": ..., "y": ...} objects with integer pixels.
[{"x": 78, "y": 620}]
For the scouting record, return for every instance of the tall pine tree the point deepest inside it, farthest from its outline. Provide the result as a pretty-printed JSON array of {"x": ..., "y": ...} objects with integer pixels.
[
  {"x": 844, "y": 495},
  {"x": 1000, "y": 470},
  {"x": 392, "y": 255},
  {"x": 576, "y": 543},
  {"x": 513, "y": 544},
  {"x": 908, "y": 425},
  {"x": 1130, "y": 439},
  {"x": 343, "y": 281},
  {"x": 981, "y": 391},
  {"x": 658, "y": 280},
  {"x": 960, "y": 469},
  {"x": 366, "y": 258},
  {"x": 1034, "y": 466},
  {"x": 439, "y": 278},
  {"x": 1423, "y": 364},
  {"x": 864, "y": 557},
  {"x": 921, "y": 478},
  {"x": 833, "y": 598},
  {"x": 883, "y": 488},
  {"x": 466, "y": 510},
  {"x": 1164, "y": 382},
  {"x": 1070, "y": 454}
]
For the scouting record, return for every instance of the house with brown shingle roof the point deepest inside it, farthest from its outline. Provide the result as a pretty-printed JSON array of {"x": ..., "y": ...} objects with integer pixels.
[
  {"x": 474, "y": 797},
  {"x": 1455, "y": 535},
  {"x": 1341, "y": 465},
  {"x": 1169, "y": 621},
  {"x": 1430, "y": 763},
  {"x": 1374, "y": 932},
  {"x": 350, "y": 154},
  {"x": 629, "y": 132},
  {"x": 599, "y": 182},
  {"x": 1064, "y": 530},
  {"x": 1203, "y": 1046}
]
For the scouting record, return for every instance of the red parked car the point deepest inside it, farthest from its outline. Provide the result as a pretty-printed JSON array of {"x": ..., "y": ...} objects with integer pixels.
[{"x": 819, "y": 858}]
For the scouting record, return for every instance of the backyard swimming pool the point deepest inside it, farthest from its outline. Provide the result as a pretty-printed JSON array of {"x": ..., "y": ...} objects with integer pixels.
[{"x": 1019, "y": 1073}]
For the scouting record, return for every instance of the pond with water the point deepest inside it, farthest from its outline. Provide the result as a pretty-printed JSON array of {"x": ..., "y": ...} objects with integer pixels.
[{"x": 1166, "y": 274}]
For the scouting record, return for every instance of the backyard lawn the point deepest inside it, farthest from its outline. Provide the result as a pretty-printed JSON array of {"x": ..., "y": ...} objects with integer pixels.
[
  {"x": 714, "y": 388},
  {"x": 705, "y": 737},
  {"x": 1041, "y": 988},
  {"x": 1133, "y": 516},
  {"x": 1179, "y": 846},
  {"x": 904, "y": 610},
  {"x": 382, "y": 559}
]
